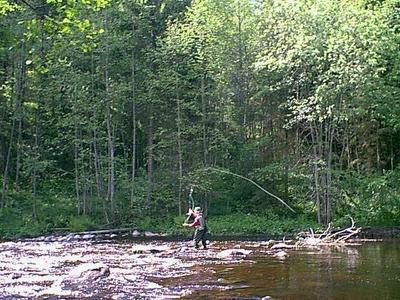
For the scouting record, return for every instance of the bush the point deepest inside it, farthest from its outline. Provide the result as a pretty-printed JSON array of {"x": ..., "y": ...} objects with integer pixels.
[
  {"x": 80, "y": 223},
  {"x": 371, "y": 200},
  {"x": 268, "y": 224}
]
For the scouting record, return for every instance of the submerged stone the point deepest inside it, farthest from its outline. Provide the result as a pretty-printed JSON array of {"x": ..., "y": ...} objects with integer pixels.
[{"x": 229, "y": 253}]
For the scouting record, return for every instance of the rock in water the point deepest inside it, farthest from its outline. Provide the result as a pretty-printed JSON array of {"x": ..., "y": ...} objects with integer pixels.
[
  {"x": 281, "y": 254},
  {"x": 148, "y": 249},
  {"x": 230, "y": 253},
  {"x": 90, "y": 271},
  {"x": 83, "y": 278},
  {"x": 282, "y": 246}
]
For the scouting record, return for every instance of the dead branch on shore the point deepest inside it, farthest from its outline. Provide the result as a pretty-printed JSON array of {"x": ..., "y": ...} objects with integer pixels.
[{"x": 327, "y": 238}]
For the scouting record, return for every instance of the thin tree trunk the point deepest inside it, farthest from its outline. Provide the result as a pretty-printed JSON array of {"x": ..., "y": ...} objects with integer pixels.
[
  {"x": 316, "y": 174},
  {"x": 329, "y": 187},
  {"x": 36, "y": 157},
  {"x": 357, "y": 160},
  {"x": 204, "y": 112},
  {"x": 343, "y": 153},
  {"x": 110, "y": 142},
  {"x": 36, "y": 148},
  {"x": 349, "y": 166},
  {"x": 20, "y": 118},
  {"x": 241, "y": 82},
  {"x": 99, "y": 179},
  {"x": 111, "y": 167},
  {"x": 20, "y": 73},
  {"x": 286, "y": 175},
  {"x": 76, "y": 154},
  {"x": 150, "y": 159},
  {"x": 322, "y": 173},
  {"x": 7, "y": 165},
  {"x": 391, "y": 153},
  {"x": 18, "y": 163},
  {"x": 84, "y": 200},
  {"x": 96, "y": 159},
  {"x": 84, "y": 175},
  {"x": 180, "y": 152},
  {"x": 378, "y": 156},
  {"x": 133, "y": 109}
]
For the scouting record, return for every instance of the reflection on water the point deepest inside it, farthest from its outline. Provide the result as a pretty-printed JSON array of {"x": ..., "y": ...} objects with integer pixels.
[{"x": 368, "y": 271}]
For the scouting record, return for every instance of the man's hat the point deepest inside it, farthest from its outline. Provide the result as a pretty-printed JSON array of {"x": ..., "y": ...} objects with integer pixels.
[{"x": 197, "y": 209}]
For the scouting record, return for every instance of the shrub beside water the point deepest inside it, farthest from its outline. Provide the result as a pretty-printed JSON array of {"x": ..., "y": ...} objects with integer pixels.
[
  {"x": 268, "y": 224},
  {"x": 80, "y": 223},
  {"x": 238, "y": 224}
]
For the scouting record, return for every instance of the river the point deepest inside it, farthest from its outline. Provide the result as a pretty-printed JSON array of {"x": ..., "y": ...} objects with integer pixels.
[{"x": 164, "y": 269}]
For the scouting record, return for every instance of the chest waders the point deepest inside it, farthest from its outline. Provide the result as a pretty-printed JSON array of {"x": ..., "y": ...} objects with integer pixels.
[{"x": 200, "y": 233}]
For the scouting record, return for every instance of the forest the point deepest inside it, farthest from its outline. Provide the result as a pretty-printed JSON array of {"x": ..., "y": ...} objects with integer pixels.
[{"x": 112, "y": 111}]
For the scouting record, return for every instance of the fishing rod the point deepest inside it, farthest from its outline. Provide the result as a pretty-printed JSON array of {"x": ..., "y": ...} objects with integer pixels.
[
  {"x": 190, "y": 216},
  {"x": 191, "y": 200},
  {"x": 257, "y": 185}
]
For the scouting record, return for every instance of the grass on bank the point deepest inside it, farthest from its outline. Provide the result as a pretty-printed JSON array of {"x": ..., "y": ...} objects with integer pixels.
[
  {"x": 22, "y": 224},
  {"x": 58, "y": 214}
]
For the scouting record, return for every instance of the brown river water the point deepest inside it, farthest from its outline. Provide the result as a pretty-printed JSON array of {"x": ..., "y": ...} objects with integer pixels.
[{"x": 65, "y": 268}]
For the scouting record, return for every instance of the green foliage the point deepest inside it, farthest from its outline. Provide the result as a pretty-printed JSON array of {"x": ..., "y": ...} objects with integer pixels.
[
  {"x": 80, "y": 223},
  {"x": 371, "y": 200},
  {"x": 109, "y": 113},
  {"x": 234, "y": 224},
  {"x": 268, "y": 224},
  {"x": 7, "y": 7},
  {"x": 14, "y": 224}
]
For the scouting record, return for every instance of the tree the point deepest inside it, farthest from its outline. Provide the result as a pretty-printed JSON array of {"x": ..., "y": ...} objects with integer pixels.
[{"x": 329, "y": 66}]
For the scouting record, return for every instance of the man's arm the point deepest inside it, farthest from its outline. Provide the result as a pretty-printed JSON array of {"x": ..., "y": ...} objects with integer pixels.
[{"x": 195, "y": 223}]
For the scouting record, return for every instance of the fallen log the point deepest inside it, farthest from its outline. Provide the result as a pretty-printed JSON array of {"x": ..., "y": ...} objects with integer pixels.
[{"x": 105, "y": 231}]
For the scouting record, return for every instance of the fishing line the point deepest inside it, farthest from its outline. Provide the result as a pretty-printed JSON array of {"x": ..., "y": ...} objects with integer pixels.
[{"x": 257, "y": 185}]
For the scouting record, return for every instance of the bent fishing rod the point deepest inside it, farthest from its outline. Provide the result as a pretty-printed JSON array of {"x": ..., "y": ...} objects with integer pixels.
[{"x": 251, "y": 181}]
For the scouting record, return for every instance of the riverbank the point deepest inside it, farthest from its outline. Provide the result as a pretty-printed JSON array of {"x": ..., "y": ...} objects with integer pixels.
[
  {"x": 221, "y": 227},
  {"x": 380, "y": 232},
  {"x": 134, "y": 235}
]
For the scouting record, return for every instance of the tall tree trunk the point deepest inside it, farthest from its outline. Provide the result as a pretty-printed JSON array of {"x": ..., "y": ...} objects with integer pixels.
[
  {"x": 316, "y": 175},
  {"x": 378, "y": 156},
  {"x": 242, "y": 80},
  {"x": 18, "y": 92},
  {"x": 99, "y": 177},
  {"x": 204, "y": 121},
  {"x": 7, "y": 164},
  {"x": 286, "y": 174},
  {"x": 96, "y": 159},
  {"x": 133, "y": 111},
  {"x": 330, "y": 133},
  {"x": 357, "y": 159},
  {"x": 20, "y": 117},
  {"x": 180, "y": 152},
  {"x": 391, "y": 152},
  {"x": 111, "y": 161},
  {"x": 36, "y": 158},
  {"x": 76, "y": 153},
  {"x": 110, "y": 131},
  {"x": 19, "y": 142},
  {"x": 150, "y": 158}
]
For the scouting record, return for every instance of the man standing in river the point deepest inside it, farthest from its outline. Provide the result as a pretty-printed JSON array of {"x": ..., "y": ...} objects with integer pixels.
[{"x": 201, "y": 228}]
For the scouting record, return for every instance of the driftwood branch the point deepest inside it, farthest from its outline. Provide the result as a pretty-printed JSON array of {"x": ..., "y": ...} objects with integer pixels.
[{"x": 327, "y": 237}]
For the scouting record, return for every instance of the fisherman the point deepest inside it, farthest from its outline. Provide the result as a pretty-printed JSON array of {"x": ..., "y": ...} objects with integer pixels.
[{"x": 201, "y": 227}]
